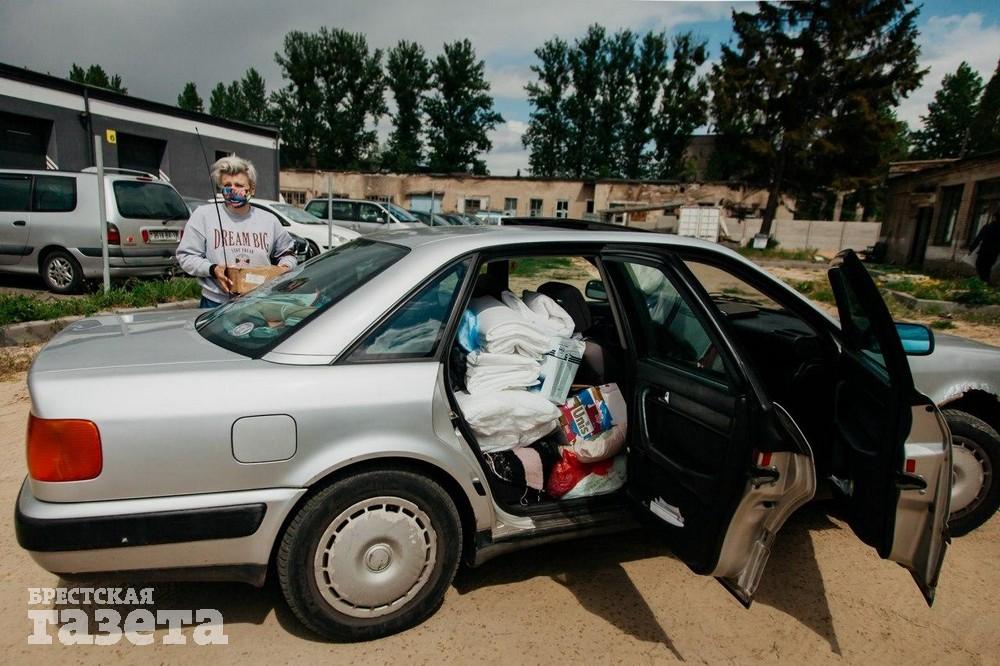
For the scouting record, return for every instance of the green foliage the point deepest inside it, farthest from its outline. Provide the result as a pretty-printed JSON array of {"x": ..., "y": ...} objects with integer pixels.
[
  {"x": 649, "y": 72},
  {"x": 801, "y": 98},
  {"x": 529, "y": 266},
  {"x": 548, "y": 127},
  {"x": 189, "y": 99},
  {"x": 942, "y": 324},
  {"x": 96, "y": 76},
  {"x": 253, "y": 92},
  {"x": 132, "y": 294},
  {"x": 408, "y": 76},
  {"x": 460, "y": 113},
  {"x": 949, "y": 117},
  {"x": 985, "y": 128},
  {"x": 682, "y": 108},
  {"x": 817, "y": 290}
]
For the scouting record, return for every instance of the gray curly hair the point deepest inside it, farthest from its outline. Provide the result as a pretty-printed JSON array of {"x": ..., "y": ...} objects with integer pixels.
[{"x": 232, "y": 165}]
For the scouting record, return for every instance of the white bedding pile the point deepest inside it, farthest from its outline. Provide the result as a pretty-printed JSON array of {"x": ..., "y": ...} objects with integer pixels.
[
  {"x": 506, "y": 419},
  {"x": 541, "y": 311},
  {"x": 503, "y": 330},
  {"x": 487, "y": 372}
]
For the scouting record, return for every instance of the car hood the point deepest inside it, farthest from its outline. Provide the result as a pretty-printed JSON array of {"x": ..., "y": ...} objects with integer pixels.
[
  {"x": 945, "y": 341},
  {"x": 130, "y": 339}
]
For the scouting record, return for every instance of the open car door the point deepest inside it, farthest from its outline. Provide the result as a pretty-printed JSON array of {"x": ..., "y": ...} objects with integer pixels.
[
  {"x": 710, "y": 458},
  {"x": 892, "y": 448}
]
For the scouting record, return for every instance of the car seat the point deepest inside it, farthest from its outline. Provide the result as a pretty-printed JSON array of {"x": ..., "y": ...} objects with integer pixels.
[{"x": 597, "y": 366}]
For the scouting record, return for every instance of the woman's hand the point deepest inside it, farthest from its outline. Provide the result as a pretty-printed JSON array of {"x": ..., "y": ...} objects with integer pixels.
[{"x": 219, "y": 273}]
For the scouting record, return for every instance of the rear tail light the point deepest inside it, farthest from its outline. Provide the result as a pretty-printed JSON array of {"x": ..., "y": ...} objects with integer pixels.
[
  {"x": 145, "y": 236},
  {"x": 114, "y": 236},
  {"x": 63, "y": 449}
]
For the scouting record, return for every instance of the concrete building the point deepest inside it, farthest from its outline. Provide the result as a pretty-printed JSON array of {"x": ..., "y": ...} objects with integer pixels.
[
  {"x": 646, "y": 204},
  {"x": 935, "y": 208},
  {"x": 47, "y": 122}
]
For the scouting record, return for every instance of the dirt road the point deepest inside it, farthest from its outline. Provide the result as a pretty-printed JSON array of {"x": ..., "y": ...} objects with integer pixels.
[{"x": 622, "y": 599}]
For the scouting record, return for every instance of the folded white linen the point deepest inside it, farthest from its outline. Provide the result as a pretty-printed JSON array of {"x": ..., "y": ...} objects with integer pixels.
[
  {"x": 550, "y": 314},
  {"x": 504, "y": 419},
  {"x": 495, "y": 372},
  {"x": 502, "y": 330}
]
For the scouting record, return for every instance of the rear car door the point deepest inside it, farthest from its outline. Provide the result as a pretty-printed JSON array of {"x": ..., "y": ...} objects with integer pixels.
[
  {"x": 892, "y": 462},
  {"x": 716, "y": 463},
  {"x": 15, "y": 204}
]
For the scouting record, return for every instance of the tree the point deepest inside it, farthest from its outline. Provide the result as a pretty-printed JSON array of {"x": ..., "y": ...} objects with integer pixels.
[
  {"x": 682, "y": 108},
  {"x": 297, "y": 107},
  {"x": 616, "y": 92},
  {"x": 985, "y": 127},
  {"x": 218, "y": 101},
  {"x": 649, "y": 71},
  {"x": 408, "y": 76},
  {"x": 587, "y": 61},
  {"x": 253, "y": 93},
  {"x": 96, "y": 76},
  {"x": 460, "y": 113},
  {"x": 353, "y": 98},
  {"x": 189, "y": 99},
  {"x": 949, "y": 117},
  {"x": 802, "y": 73},
  {"x": 548, "y": 127}
]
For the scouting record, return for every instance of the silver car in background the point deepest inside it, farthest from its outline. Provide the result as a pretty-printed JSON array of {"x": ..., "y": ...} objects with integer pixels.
[
  {"x": 364, "y": 217},
  {"x": 49, "y": 225},
  {"x": 312, "y": 425}
]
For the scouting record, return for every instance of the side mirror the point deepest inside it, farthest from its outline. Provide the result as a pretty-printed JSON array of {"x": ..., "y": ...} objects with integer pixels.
[
  {"x": 595, "y": 291},
  {"x": 917, "y": 339}
]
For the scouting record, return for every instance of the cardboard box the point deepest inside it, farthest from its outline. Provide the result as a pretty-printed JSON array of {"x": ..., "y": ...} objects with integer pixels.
[{"x": 247, "y": 279}]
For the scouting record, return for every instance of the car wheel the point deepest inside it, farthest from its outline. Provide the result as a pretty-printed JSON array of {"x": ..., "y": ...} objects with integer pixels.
[
  {"x": 370, "y": 555},
  {"x": 975, "y": 495},
  {"x": 61, "y": 273},
  {"x": 312, "y": 251}
]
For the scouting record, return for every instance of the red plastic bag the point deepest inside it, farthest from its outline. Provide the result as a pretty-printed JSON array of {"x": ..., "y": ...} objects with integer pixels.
[{"x": 570, "y": 471}]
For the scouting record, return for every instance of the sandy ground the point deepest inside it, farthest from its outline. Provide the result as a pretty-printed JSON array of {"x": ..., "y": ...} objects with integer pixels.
[{"x": 622, "y": 599}]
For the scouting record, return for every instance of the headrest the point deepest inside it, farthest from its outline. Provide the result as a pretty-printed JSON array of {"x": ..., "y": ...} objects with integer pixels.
[{"x": 572, "y": 301}]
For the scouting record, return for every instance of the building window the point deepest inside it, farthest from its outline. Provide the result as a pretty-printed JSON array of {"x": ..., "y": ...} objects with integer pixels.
[
  {"x": 472, "y": 205},
  {"x": 510, "y": 206},
  {"x": 294, "y": 197},
  {"x": 380, "y": 198},
  {"x": 951, "y": 199},
  {"x": 985, "y": 207},
  {"x": 140, "y": 153},
  {"x": 535, "y": 208},
  {"x": 562, "y": 209},
  {"x": 590, "y": 206}
]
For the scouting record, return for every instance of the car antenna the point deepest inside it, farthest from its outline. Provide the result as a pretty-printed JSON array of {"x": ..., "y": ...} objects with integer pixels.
[{"x": 215, "y": 200}]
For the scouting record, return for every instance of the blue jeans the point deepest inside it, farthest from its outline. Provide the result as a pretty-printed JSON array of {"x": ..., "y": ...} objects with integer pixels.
[{"x": 208, "y": 304}]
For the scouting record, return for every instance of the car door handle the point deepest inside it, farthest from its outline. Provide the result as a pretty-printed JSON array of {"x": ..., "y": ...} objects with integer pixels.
[
  {"x": 20, "y": 223},
  {"x": 761, "y": 475},
  {"x": 906, "y": 481}
]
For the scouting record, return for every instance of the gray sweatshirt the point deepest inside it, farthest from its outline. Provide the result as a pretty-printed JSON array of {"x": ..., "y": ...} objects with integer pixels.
[{"x": 254, "y": 239}]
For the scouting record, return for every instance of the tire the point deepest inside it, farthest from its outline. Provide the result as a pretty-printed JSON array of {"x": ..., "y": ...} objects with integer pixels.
[
  {"x": 976, "y": 460},
  {"x": 313, "y": 251},
  {"x": 61, "y": 273},
  {"x": 399, "y": 529}
]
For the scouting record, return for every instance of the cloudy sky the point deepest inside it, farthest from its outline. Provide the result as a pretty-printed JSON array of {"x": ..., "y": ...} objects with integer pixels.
[{"x": 157, "y": 47}]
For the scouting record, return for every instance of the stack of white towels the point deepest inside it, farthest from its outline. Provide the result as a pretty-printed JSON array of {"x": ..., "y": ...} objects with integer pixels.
[{"x": 513, "y": 335}]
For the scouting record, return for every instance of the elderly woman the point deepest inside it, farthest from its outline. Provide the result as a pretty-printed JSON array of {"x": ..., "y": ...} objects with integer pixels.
[{"x": 236, "y": 234}]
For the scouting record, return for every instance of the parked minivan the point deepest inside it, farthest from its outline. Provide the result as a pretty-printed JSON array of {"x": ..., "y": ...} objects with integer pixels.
[
  {"x": 364, "y": 217},
  {"x": 49, "y": 225}
]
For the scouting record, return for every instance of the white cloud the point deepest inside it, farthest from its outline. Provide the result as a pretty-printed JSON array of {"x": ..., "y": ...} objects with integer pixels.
[
  {"x": 509, "y": 82},
  {"x": 508, "y": 154},
  {"x": 945, "y": 41}
]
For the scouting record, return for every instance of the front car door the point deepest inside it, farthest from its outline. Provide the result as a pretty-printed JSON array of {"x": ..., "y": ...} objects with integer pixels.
[
  {"x": 892, "y": 467},
  {"x": 718, "y": 464},
  {"x": 371, "y": 218}
]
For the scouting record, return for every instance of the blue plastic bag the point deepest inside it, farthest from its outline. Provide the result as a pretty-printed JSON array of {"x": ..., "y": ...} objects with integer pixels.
[{"x": 468, "y": 331}]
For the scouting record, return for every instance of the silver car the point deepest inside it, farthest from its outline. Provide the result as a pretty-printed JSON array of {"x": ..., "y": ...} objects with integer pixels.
[
  {"x": 49, "y": 225},
  {"x": 313, "y": 424},
  {"x": 364, "y": 217}
]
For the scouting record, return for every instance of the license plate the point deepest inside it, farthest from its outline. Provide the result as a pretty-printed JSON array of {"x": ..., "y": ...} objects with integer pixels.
[{"x": 162, "y": 236}]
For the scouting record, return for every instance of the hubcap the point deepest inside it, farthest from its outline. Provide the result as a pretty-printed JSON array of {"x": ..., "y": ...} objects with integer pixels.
[
  {"x": 60, "y": 272},
  {"x": 375, "y": 557},
  {"x": 971, "y": 476}
]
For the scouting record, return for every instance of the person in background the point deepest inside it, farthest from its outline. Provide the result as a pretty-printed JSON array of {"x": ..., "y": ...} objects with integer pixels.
[
  {"x": 988, "y": 242},
  {"x": 244, "y": 236}
]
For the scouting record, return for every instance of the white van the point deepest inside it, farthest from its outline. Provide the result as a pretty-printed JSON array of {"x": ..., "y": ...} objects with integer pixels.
[{"x": 49, "y": 224}]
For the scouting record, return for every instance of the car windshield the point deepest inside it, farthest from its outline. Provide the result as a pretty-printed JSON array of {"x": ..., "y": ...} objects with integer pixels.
[
  {"x": 257, "y": 322},
  {"x": 400, "y": 214},
  {"x": 297, "y": 214},
  {"x": 149, "y": 201}
]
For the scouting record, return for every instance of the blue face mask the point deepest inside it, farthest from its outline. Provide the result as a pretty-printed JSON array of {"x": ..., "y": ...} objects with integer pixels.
[{"x": 235, "y": 197}]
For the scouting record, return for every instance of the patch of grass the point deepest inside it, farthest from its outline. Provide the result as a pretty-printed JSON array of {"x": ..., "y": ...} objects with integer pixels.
[
  {"x": 527, "y": 266},
  {"x": 14, "y": 360},
  {"x": 16, "y": 308},
  {"x": 942, "y": 324},
  {"x": 817, "y": 290},
  {"x": 968, "y": 291},
  {"x": 805, "y": 254}
]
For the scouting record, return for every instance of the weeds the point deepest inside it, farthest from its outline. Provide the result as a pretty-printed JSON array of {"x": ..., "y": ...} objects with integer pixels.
[{"x": 14, "y": 360}]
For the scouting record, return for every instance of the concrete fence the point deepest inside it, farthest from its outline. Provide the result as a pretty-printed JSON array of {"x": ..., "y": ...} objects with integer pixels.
[{"x": 823, "y": 235}]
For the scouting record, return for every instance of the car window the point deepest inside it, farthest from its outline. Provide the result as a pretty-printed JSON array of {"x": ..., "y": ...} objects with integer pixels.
[
  {"x": 317, "y": 209},
  {"x": 372, "y": 213},
  {"x": 671, "y": 330},
  {"x": 54, "y": 194},
  {"x": 296, "y": 214},
  {"x": 726, "y": 288},
  {"x": 415, "y": 330},
  {"x": 255, "y": 323},
  {"x": 400, "y": 214},
  {"x": 859, "y": 328},
  {"x": 148, "y": 201},
  {"x": 15, "y": 193}
]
